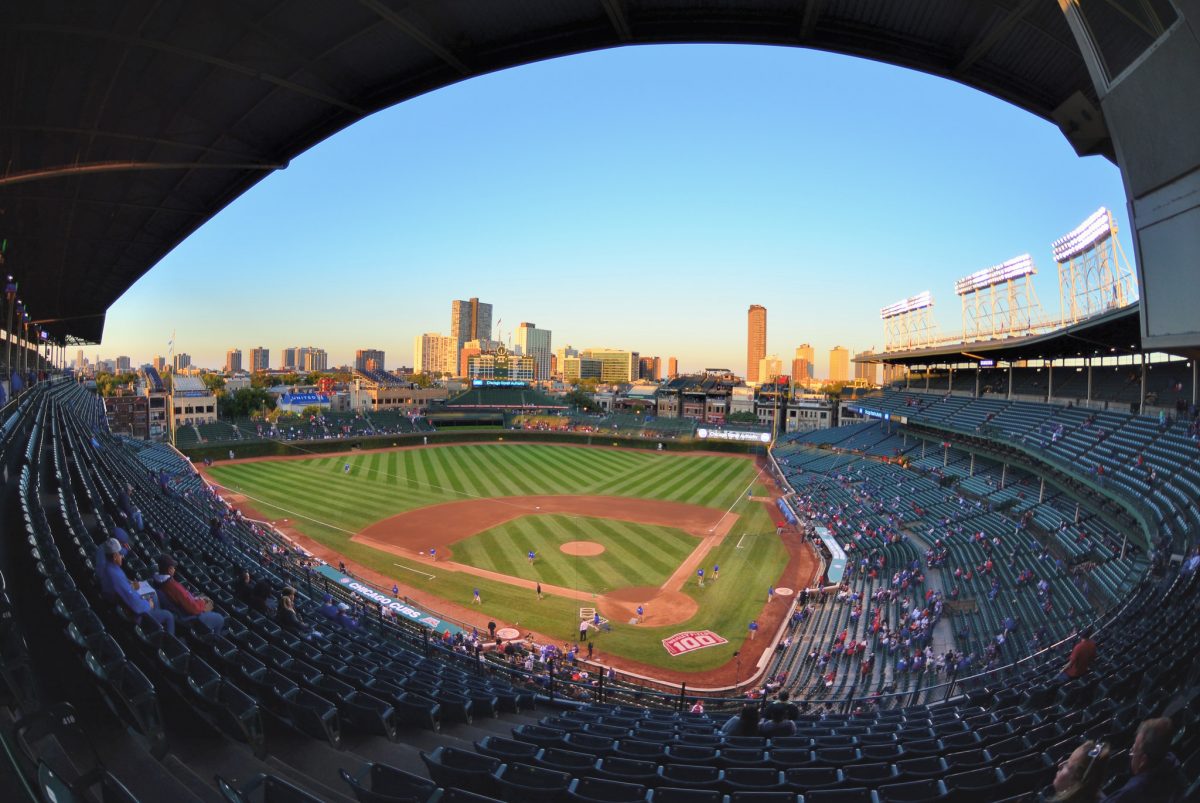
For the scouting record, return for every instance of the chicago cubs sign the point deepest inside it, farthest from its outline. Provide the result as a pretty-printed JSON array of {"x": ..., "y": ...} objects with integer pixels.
[{"x": 692, "y": 640}]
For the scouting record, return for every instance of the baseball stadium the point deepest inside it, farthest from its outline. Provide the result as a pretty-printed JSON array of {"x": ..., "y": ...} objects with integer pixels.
[{"x": 978, "y": 580}]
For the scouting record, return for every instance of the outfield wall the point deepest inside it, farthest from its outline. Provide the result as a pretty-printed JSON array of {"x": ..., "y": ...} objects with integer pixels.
[{"x": 271, "y": 448}]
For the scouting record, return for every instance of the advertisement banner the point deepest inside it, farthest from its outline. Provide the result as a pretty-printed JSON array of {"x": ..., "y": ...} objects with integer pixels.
[{"x": 399, "y": 607}]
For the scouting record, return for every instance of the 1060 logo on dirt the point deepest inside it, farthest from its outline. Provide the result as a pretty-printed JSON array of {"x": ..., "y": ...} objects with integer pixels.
[{"x": 692, "y": 640}]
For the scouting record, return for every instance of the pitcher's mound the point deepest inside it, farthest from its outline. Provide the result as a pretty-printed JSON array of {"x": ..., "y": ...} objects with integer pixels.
[
  {"x": 661, "y": 607},
  {"x": 584, "y": 548}
]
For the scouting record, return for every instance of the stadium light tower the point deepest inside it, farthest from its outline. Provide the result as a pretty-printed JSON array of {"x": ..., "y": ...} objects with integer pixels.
[
  {"x": 1093, "y": 273},
  {"x": 909, "y": 323},
  {"x": 1000, "y": 301}
]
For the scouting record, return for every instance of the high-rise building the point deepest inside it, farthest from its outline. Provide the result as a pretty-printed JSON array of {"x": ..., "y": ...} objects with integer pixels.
[
  {"x": 802, "y": 363},
  {"x": 369, "y": 360},
  {"x": 260, "y": 359},
  {"x": 769, "y": 368},
  {"x": 672, "y": 368},
  {"x": 756, "y": 340},
  {"x": 867, "y": 371},
  {"x": 180, "y": 362},
  {"x": 434, "y": 354},
  {"x": 473, "y": 348},
  {"x": 315, "y": 359},
  {"x": 650, "y": 368},
  {"x": 534, "y": 342},
  {"x": 123, "y": 365},
  {"x": 287, "y": 360},
  {"x": 80, "y": 361},
  {"x": 581, "y": 368},
  {"x": 160, "y": 363},
  {"x": 233, "y": 361},
  {"x": 618, "y": 365},
  {"x": 562, "y": 354},
  {"x": 470, "y": 320},
  {"x": 839, "y": 364}
]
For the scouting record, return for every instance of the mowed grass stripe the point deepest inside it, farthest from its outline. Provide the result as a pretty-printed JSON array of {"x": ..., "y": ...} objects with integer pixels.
[
  {"x": 431, "y": 477},
  {"x": 725, "y": 487},
  {"x": 692, "y": 484},
  {"x": 635, "y": 547},
  {"x": 649, "y": 483},
  {"x": 410, "y": 469},
  {"x": 467, "y": 472},
  {"x": 538, "y": 473},
  {"x": 513, "y": 470},
  {"x": 448, "y": 463},
  {"x": 349, "y": 503},
  {"x": 577, "y": 464},
  {"x": 631, "y": 565},
  {"x": 560, "y": 468},
  {"x": 497, "y": 477}
]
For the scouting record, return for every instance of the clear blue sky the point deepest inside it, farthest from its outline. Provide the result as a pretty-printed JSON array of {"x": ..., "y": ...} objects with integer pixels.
[{"x": 635, "y": 198}]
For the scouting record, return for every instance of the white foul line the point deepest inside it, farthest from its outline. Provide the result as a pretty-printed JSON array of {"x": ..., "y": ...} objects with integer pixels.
[{"x": 417, "y": 571}]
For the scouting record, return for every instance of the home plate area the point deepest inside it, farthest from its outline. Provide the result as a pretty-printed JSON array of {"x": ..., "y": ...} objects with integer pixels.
[{"x": 692, "y": 640}]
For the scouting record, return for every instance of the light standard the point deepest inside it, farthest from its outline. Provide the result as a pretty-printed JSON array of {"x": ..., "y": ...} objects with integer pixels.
[{"x": 10, "y": 293}]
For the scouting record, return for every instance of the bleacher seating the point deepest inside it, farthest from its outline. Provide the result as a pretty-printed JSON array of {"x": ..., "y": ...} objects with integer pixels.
[{"x": 383, "y": 713}]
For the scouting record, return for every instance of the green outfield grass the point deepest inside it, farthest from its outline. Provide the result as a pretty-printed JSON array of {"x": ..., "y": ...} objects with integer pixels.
[
  {"x": 634, "y": 554},
  {"x": 329, "y": 505}
]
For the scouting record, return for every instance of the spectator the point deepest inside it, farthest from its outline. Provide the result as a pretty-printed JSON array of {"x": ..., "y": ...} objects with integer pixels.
[
  {"x": 1156, "y": 772},
  {"x": 1081, "y": 658},
  {"x": 790, "y": 711},
  {"x": 777, "y": 725},
  {"x": 697, "y": 707},
  {"x": 243, "y": 587},
  {"x": 743, "y": 724},
  {"x": 180, "y": 602},
  {"x": 288, "y": 618},
  {"x": 116, "y": 587},
  {"x": 1081, "y": 774},
  {"x": 262, "y": 599}
]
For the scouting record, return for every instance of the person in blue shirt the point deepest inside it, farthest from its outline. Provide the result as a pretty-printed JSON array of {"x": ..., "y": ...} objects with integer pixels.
[{"x": 115, "y": 586}]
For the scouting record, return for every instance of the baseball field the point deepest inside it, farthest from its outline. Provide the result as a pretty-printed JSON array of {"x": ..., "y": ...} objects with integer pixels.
[{"x": 609, "y": 529}]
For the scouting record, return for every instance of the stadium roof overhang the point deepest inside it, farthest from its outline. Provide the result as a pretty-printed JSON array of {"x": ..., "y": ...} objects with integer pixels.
[
  {"x": 1115, "y": 333},
  {"x": 126, "y": 126}
]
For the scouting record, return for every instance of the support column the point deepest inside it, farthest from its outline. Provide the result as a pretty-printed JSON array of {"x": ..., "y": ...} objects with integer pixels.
[
  {"x": 977, "y": 372},
  {"x": 1050, "y": 383},
  {"x": 923, "y": 448},
  {"x": 1042, "y": 491},
  {"x": 1142, "y": 398},
  {"x": 926, "y": 378},
  {"x": 1003, "y": 475},
  {"x": 972, "y": 472},
  {"x": 1076, "y": 513},
  {"x": 1195, "y": 378},
  {"x": 1009, "y": 381},
  {"x": 945, "y": 456},
  {"x": 1089, "y": 395},
  {"x": 950, "y": 384}
]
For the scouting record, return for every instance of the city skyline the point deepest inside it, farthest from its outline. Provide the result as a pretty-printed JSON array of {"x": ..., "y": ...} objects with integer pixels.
[{"x": 804, "y": 201}]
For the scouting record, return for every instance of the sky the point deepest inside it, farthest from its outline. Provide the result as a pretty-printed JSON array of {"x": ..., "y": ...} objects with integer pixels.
[{"x": 639, "y": 198}]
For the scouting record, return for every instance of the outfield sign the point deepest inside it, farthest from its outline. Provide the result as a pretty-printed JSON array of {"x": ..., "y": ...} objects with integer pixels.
[
  {"x": 732, "y": 435},
  {"x": 399, "y": 607},
  {"x": 691, "y": 641}
]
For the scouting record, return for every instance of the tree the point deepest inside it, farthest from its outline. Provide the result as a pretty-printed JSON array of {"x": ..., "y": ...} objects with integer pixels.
[
  {"x": 742, "y": 417},
  {"x": 311, "y": 410},
  {"x": 577, "y": 398},
  {"x": 245, "y": 402},
  {"x": 422, "y": 380},
  {"x": 215, "y": 383},
  {"x": 107, "y": 384},
  {"x": 264, "y": 380}
]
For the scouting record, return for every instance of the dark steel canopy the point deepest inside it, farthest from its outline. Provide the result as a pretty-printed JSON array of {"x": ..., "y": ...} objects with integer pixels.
[{"x": 124, "y": 126}]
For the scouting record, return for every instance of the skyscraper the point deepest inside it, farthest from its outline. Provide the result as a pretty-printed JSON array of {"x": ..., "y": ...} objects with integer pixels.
[
  {"x": 769, "y": 368},
  {"x": 618, "y": 365},
  {"x": 180, "y": 362},
  {"x": 756, "y": 340},
  {"x": 369, "y": 360},
  {"x": 839, "y": 364},
  {"x": 469, "y": 320},
  {"x": 868, "y": 371},
  {"x": 672, "y": 368},
  {"x": 535, "y": 343},
  {"x": 802, "y": 364},
  {"x": 315, "y": 359},
  {"x": 287, "y": 360},
  {"x": 260, "y": 359},
  {"x": 233, "y": 361},
  {"x": 123, "y": 365},
  {"x": 651, "y": 368},
  {"x": 434, "y": 354}
]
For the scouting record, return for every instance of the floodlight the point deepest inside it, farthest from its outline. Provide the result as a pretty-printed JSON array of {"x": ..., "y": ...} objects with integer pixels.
[
  {"x": 910, "y": 304},
  {"x": 1093, "y": 231},
  {"x": 1014, "y": 268}
]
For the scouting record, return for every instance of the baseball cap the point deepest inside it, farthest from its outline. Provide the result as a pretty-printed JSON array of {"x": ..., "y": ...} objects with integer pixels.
[
  {"x": 343, "y": 606},
  {"x": 328, "y": 598},
  {"x": 112, "y": 546},
  {"x": 165, "y": 562}
]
